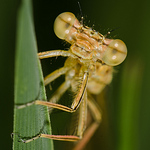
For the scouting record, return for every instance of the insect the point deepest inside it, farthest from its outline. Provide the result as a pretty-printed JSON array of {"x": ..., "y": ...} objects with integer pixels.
[{"x": 87, "y": 69}]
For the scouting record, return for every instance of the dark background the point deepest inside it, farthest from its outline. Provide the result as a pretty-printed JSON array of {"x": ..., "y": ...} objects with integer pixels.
[{"x": 133, "y": 23}]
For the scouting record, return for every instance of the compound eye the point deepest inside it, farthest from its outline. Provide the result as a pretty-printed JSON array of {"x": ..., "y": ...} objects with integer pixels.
[
  {"x": 115, "y": 53},
  {"x": 63, "y": 24}
]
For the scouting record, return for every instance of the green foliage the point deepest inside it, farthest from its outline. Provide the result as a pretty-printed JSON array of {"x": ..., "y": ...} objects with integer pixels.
[
  {"x": 31, "y": 120},
  {"x": 129, "y": 106},
  {"x": 132, "y": 18}
]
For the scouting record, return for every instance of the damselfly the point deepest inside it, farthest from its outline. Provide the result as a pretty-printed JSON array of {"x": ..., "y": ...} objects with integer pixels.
[{"x": 87, "y": 69}]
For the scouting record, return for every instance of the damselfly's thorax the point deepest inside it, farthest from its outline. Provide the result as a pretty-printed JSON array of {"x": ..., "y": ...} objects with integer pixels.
[{"x": 88, "y": 44}]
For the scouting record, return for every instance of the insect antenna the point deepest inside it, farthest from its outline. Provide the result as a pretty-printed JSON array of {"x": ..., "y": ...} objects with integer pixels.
[
  {"x": 81, "y": 13},
  {"x": 110, "y": 31}
]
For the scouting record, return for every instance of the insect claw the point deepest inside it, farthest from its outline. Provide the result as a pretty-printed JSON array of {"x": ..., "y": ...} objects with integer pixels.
[
  {"x": 20, "y": 139},
  {"x": 12, "y": 134}
]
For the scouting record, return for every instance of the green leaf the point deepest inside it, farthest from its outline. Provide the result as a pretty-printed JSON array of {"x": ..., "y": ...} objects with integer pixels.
[
  {"x": 34, "y": 119},
  {"x": 129, "y": 102}
]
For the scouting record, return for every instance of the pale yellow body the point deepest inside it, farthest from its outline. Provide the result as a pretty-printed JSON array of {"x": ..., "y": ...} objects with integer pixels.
[{"x": 88, "y": 69}]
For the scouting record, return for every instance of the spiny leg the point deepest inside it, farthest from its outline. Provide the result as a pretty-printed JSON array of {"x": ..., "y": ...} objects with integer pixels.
[
  {"x": 76, "y": 101},
  {"x": 80, "y": 127},
  {"x": 55, "y": 53},
  {"x": 82, "y": 88},
  {"x": 94, "y": 109},
  {"x": 54, "y": 137},
  {"x": 59, "y": 92},
  {"x": 78, "y": 98},
  {"x": 54, "y": 75},
  {"x": 96, "y": 114},
  {"x": 77, "y": 137},
  {"x": 82, "y": 116}
]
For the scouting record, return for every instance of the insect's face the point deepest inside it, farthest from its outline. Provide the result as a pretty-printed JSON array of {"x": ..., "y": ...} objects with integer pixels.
[{"x": 87, "y": 43}]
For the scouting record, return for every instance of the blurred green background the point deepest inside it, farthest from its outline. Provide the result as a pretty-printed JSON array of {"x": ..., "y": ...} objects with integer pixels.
[{"x": 126, "y": 104}]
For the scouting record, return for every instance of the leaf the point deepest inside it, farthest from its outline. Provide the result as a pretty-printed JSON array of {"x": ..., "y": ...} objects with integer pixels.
[
  {"x": 34, "y": 119},
  {"x": 129, "y": 111}
]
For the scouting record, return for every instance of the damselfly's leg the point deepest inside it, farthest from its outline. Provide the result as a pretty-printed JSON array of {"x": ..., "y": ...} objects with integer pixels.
[
  {"x": 96, "y": 114},
  {"x": 76, "y": 102},
  {"x": 54, "y": 137},
  {"x": 59, "y": 92},
  {"x": 82, "y": 116},
  {"x": 54, "y": 75},
  {"x": 78, "y": 99},
  {"x": 80, "y": 127},
  {"x": 55, "y": 53}
]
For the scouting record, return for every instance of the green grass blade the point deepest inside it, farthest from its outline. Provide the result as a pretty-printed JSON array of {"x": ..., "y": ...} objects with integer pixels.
[
  {"x": 129, "y": 106},
  {"x": 29, "y": 86}
]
